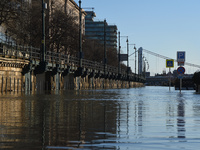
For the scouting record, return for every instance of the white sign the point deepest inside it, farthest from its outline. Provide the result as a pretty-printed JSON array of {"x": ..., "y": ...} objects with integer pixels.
[
  {"x": 180, "y": 56},
  {"x": 181, "y": 63}
]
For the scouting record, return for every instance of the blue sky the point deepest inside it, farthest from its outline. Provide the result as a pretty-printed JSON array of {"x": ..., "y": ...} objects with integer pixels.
[{"x": 160, "y": 26}]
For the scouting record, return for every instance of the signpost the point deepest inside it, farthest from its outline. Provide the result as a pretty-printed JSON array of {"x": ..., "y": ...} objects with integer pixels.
[
  {"x": 169, "y": 64},
  {"x": 123, "y": 57},
  {"x": 181, "y": 63},
  {"x": 181, "y": 69},
  {"x": 181, "y": 56}
]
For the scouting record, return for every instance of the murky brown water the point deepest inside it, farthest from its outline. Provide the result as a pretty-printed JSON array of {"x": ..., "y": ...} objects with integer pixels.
[{"x": 142, "y": 118}]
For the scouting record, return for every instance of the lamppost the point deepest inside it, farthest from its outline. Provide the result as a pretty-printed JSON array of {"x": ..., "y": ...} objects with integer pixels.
[
  {"x": 119, "y": 53},
  {"x": 127, "y": 58},
  {"x": 135, "y": 57},
  {"x": 80, "y": 35},
  {"x": 105, "y": 56},
  {"x": 44, "y": 6}
]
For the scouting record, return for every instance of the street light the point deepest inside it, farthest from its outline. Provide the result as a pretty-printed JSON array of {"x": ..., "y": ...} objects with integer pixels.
[
  {"x": 135, "y": 57},
  {"x": 80, "y": 34},
  {"x": 105, "y": 56},
  {"x": 128, "y": 68},
  {"x": 119, "y": 69},
  {"x": 44, "y": 6},
  {"x": 127, "y": 58},
  {"x": 119, "y": 54}
]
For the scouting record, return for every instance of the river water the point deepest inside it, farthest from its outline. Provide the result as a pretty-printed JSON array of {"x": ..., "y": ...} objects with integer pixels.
[{"x": 150, "y": 118}]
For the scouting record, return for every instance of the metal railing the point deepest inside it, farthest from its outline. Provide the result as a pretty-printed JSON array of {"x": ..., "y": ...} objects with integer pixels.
[
  {"x": 31, "y": 53},
  {"x": 18, "y": 51}
]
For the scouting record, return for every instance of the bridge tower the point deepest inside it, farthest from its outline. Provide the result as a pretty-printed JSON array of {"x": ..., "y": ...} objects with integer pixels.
[{"x": 140, "y": 60}]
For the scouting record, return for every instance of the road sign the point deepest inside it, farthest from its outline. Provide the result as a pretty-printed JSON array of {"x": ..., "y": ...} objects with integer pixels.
[
  {"x": 181, "y": 63},
  {"x": 181, "y": 70},
  {"x": 180, "y": 76},
  {"x": 169, "y": 63},
  {"x": 123, "y": 57},
  {"x": 180, "y": 56}
]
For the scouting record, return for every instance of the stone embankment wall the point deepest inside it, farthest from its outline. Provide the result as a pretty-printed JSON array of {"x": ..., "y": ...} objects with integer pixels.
[
  {"x": 100, "y": 83},
  {"x": 12, "y": 79},
  {"x": 69, "y": 82}
]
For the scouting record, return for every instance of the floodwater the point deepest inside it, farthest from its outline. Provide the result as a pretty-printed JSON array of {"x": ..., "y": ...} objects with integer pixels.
[{"x": 148, "y": 118}]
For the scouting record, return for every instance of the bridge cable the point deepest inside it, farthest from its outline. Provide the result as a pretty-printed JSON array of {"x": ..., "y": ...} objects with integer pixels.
[{"x": 164, "y": 57}]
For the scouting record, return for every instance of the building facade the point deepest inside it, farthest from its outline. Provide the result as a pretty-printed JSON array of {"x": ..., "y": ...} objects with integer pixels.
[
  {"x": 70, "y": 7},
  {"x": 96, "y": 30}
]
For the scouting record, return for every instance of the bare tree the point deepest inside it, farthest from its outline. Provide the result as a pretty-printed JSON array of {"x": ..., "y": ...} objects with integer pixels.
[
  {"x": 63, "y": 33},
  {"x": 24, "y": 24},
  {"x": 93, "y": 50},
  {"x": 8, "y": 9},
  {"x": 15, "y": 18},
  {"x": 61, "y": 29}
]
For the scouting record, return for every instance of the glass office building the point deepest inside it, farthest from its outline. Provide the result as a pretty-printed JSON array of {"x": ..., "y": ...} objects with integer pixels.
[{"x": 95, "y": 30}]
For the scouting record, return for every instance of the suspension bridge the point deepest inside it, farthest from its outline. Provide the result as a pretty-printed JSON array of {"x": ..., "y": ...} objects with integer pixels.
[{"x": 145, "y": 62}]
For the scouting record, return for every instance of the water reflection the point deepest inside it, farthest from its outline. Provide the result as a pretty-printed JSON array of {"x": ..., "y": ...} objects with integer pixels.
[
  {"x": 101, "y": 119},
  {"x": 42, "y": 121},
  {"x": 19, "y": 123},
  {"x": 181, "y": 117}
]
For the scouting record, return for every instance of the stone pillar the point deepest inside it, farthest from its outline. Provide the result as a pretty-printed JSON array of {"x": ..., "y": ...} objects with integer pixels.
[
  {"x": 69, "y": 82},
  {"x": 2, "y": 83},
  {"x": 57, "y": 80},
  {"x": 40, "y": 82},
  {"x": 10, "y": 79},
  {"x": 91, "y": 83},
  {"x": 28, "y": 82},
  {"x": 78, "y": 83},
  {"x": 33, "y": 80}
]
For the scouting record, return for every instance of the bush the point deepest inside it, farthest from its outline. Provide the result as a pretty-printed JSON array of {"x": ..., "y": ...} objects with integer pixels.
[{"x": 196, "y": 78}]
